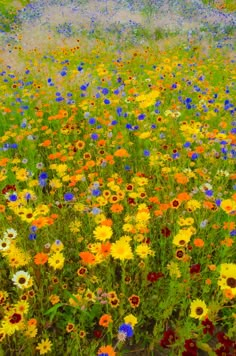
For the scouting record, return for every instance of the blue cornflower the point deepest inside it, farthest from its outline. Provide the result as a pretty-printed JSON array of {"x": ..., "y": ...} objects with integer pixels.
[
  {"x": 107, "y": 101},
  {"x": 13, "y": 197},
  {"x": 194, "y": 156},
  {"x": 126, "y": 329},
  {"x": 105, "y": 91},
  {"x": 94, "y": 136},
  {"x": 146, "y": 153},
  {"x": 43, "y": 175},
  {"x": 103, "y": 354},
  {"x": 209, "y": 193},
  {"x": 33, "y": 228},
  {"x": 96, "y": 211},
  {"x": 141, "y": 116},
  {"x": 14, "y": 145},
  {"x": 68, "y": 196},
  {"x": 233, "y": 233},
  {"x": 32, "y": 237},
  {"x": 127, "y": 168},
  {"x": 27, "y": 196},
  {"x": 92, "y": 121},
  {"x": 42, "y": 182},
  {"x": 218, "y": 202},
  {"x": 96, "y": 192}
]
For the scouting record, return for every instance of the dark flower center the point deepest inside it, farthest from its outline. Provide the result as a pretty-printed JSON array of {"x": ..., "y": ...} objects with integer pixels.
[
  {"x": 231, "y": 282},
  {"x": 22, "y": 280},
  {"x": 199, "y": 311},
  {"x": 15, "y": 318}
]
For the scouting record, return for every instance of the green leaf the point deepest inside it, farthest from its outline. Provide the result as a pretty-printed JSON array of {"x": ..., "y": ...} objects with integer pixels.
[{"x": 52, "y": 311}]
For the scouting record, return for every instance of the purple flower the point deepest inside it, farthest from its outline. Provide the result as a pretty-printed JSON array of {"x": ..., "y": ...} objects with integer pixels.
[{"x": 68, "y": 196}]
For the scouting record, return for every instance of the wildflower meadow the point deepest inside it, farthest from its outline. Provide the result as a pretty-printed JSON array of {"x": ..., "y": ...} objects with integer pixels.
[{"x": 117, "y": 178}]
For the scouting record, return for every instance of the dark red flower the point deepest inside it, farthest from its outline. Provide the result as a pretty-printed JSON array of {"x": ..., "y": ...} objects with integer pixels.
[
  {"x": 168, "y": 339},
  {"x": 15, "y": 318},
  {"x": 224, "y": 339},
  {"x": 195, "y": 268},
  {"x": 191, "y": 346},
  {"x": 165, "y": 231},
  {"x": 97, "y": 334},
  {"x": 209, "y": 327},
  {"x": 131, "y": 201},
  {"x": 223, "y": 351},
  {"x": 189, "y": 353},
  {"x": 153, "y": 276}
]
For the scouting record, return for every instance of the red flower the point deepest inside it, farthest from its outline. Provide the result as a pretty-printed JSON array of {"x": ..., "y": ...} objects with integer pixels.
[
  {"x": 134, "y": 301},
  {"x": 153, "y": 276},
  {"x": 168, "y": 339},
  {"x": 195, "y": 268},
  {"x": 209, "y": 327},
  {"x": 191, "y": 347},
  {"x": 97, "y": 334},
  {"x": 223, "y": 351},
  {"x": 224, "y": 339},
  {"x": 165, "y": 231}
]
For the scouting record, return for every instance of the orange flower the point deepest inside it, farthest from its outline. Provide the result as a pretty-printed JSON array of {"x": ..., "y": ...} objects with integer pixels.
[
  {"x": 40, "y": 222},
  {"x": 105, "y": 320},
  {"x": 2, "y": 208},
  {"x": 154, "y": 200},
  {"x": 107, "y": 222},
  {"x": 183, "y": 196},
  {"x": 32, "y": 321},
  {"x": 101, "y": 143},
  {"x": 105, "y": 249},
  {"x": 164, "y": 206},
  {"x": 158, "y": 213},
  {"x": 122, "y": 152},
  {"x": 41, "y": 258},
  {"x": 107, "y": 350},
  {"x": 208, "y": 205},
  {"x": 227, "y": 242},
  {"x": 3, "y": 162},
  {"x": 87, "y": 257},
  {"x": 117, "y": 208},
  {"x": 228, "y": 294},
  {"x": 46, "y": 143},
  {"x": 198, "y": 242},
  {"x": 181, "y": 178},
  {"x": 229, "y": 225},
  {"x": 199, "y": 149}
]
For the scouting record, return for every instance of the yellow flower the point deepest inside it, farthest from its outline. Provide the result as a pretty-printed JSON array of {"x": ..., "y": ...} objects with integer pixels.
[
  {"x": 143, "y": 216},
  {"x": 227, "y": 278},
  {"x": 103, "y": 233},
  {"x": 121, "y": 250},
  {"x": 57, "y": 246},
  {"x": 31, "y": 331},
  {"x": 198, "y": 309},
  {"x": 174, "y": 270},
  {"x": 44, "y": 346},
  {"x": 228, "y": 205},
  {"x": 143, "y": 250},
  {"x": 56, "y": 261},
  {"x": 131, "y": 319}
]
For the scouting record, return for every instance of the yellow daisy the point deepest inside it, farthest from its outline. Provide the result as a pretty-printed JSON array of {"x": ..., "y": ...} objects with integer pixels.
[
  {"x": 198, "y": 309},
  {"x": 227, "y": 278},
  {"x": 44, "y": 346},
  {"x": 121, "y": 250},
  {"x": 103, "y": 233}
]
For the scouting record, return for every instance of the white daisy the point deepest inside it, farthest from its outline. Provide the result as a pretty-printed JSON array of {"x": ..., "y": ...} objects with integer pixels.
[
  {"x": 10, "y": 234},
  {"x": 21, "y": 279},
  {"x": 4, "y": 244}
]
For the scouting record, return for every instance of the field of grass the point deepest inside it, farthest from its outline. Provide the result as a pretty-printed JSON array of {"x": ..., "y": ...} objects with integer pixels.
[{"x": 117, "y": 193}]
